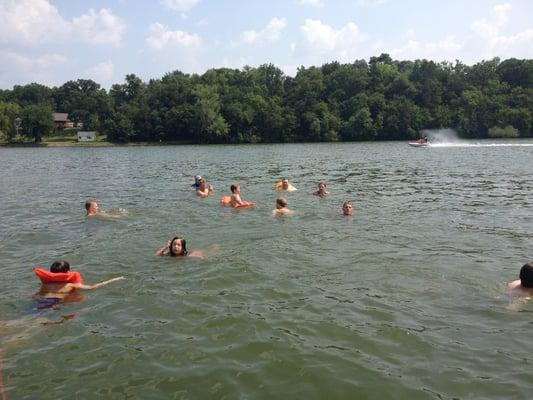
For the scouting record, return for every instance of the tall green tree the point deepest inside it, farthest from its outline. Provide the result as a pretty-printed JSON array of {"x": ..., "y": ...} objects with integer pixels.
[
  {"x": 118, "y": 128},
  {"x": 37, "y": 121},
  {"x": 380, "y": 99},
  {"x": 210, "y": 125},
  {"x": 85, "y": 101},
  {"x": 9, "y": 113},
  {"x": 32, "y": 94}
]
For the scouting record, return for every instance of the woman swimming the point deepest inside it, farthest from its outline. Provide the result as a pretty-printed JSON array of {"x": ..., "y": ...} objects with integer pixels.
[
  {"x": 321, "y": 192},
  {"x": 177, "y": 247}
]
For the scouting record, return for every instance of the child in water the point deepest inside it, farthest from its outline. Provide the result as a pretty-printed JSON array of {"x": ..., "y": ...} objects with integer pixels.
[
  {"x": 58, "y": 291},
  {"x": 177, "y": 247},
  {"x": 235, "y": 198},
  {"x": 281, "y": 207},
  {"x": 92, "y": 210},
  {"x": 321, "y": 192},
  {"x": 523, "y": 287}
]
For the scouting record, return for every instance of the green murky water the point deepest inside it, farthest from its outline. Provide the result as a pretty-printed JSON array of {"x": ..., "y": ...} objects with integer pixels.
[{"x": 403, "y": 300}]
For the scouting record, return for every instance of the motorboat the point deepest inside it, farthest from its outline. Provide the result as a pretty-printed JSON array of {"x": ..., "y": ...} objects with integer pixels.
[{"x": 419, "y": 143}]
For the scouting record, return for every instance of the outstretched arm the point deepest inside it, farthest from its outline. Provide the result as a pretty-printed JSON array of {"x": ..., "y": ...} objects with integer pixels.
[{"x": 96, "y": 285}]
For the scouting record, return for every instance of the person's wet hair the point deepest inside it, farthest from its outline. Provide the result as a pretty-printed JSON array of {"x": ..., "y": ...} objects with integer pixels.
[
  {"x": 282, "y": 202},
  {"x": 526, "y": 275},
  {"x": 88, "y": 204},
  {"x": 233, "y": 188},
  {"x": 183, "y": 246},
  {"x": 60, "y": 266}
]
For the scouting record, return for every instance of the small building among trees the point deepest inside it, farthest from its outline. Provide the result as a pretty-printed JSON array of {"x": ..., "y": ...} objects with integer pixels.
[
  {"x": 86, "y": 136},
  {"x": 61, "y": 121}
]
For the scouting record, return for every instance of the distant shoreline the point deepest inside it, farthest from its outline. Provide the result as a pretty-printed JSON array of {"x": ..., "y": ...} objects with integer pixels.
[
  {"x": 90, "y": 144},
  {"x": 46, "y": 144}
]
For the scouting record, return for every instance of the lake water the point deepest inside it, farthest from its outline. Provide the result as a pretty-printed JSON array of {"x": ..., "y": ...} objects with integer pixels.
[{"x": 406, "y": 299}]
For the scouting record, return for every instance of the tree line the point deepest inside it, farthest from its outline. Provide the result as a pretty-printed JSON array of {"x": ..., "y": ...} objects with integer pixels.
[{"x": 382, "y": 99}]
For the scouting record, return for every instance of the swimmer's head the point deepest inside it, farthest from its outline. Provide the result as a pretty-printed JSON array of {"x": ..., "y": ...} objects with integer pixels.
[
  {"x": 281, "y": 203},
  {"x": 321, "y": 185},
  {"x": 178, "y": 246},
  {"x": 347, "y": 208},
  {"x": 235, "y": 188},
  {"x": 285, "y": 183},
  {"x": 60, "y": 266},
  {"x": 526, "y": 275},
  {"x": 91, "y": 206}
]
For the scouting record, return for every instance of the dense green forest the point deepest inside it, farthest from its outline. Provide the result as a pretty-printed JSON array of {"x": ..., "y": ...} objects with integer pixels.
[{"x": 381, "y": 99}]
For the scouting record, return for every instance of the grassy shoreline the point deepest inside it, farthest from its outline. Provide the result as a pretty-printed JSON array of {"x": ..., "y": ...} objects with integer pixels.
[
  {"x": 58, "y": 144},
  {"x": 97, "y": 143},
  {"x": 63, "y": 142}
]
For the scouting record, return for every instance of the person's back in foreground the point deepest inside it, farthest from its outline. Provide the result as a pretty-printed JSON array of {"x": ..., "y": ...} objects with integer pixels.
[{"x": 522, "y": 287}]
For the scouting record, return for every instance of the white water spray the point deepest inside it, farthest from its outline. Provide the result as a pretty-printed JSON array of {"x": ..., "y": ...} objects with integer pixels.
[
  {"x": 441, "y": 136},
  {"x": 450, "y": 138}
]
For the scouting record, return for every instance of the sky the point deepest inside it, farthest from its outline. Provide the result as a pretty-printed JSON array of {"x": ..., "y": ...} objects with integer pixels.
[{"x": 54, "y": 41}]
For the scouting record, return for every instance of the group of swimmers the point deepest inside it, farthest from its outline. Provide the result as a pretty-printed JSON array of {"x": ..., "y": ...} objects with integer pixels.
[
  {"x": 60, "y": 283},
  {"x": 204, "y": 189}
]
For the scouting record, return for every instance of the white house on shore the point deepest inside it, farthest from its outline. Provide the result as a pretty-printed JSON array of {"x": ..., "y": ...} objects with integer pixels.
[{"x": 86, "y": 136}]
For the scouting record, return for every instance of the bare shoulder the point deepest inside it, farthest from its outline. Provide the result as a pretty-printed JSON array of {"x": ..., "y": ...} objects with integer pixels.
[
  {"x": 515, "y": 289},
  {"x": 514, "y": 285}
]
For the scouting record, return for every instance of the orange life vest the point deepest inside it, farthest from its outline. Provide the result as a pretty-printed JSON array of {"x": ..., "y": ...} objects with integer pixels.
[{"x": 57, "y": 277}]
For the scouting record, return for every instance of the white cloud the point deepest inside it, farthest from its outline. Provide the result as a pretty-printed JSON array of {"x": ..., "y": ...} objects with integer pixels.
[
  {"x": 102, "y": 72},
  {"x": 270, "y": 33},
  {"x": 410, "y": 33},
  {"x": 325, "y": 38},
  {"x": 24, "y": 62},
  {"x": 445, "y": 49},
  {"x": 312, "y": 3},
  {"x": 487, "y": 41},
  {"x": 370, "y": 3},
  {"x": 31, "y": 22},
  {"x": 161, "y": 36},
  {"x": 290, "y": 69},
  {"x": 495, "y": 43},
  {"x": 489, "y": 29},
  {"x": 180, "y": 5},
  {"x": 100, "y": 27},
  {"x": 203, "y": 22},
  {"x": 235, "y": 63},
  {"x": 24, "y": 69}
]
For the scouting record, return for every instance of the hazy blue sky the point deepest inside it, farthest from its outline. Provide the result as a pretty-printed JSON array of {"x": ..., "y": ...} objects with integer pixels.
[{"x": 52, "y": 41}]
